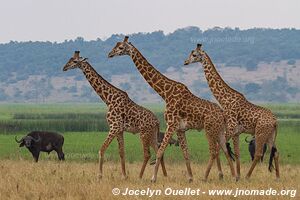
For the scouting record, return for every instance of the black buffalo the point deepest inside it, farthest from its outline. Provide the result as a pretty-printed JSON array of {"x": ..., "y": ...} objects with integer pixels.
[
  {"x": 37, "y": 141},
  {"x": 251, "y": 148},
  {"x": 161, "y": 136}
]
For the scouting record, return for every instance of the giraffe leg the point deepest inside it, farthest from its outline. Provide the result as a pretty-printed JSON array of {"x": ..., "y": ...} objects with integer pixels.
[
  {"x": 258, "y": 154},
  {"x": 221, "y": 175},
  {"x": 213, "y": 154},
  {"x": 120, "y": 139},
  {"x": 155, "y": 147},
  {"x": 111, "y": 135},
  {"x": 183, "y": 145},
  {"x": 276, "y": 158},
  {"x": 236, "y": 146},
  {"x": 231, "y": 132},
  {"x": 163, "y": 167},
  {"x": 271, "y": 144},
  {"x": 254, "y": 162},
  {"x": 147, "y": 156},
  {"x": 223, "y": 146},
  {"x": 169, "y": 132}
]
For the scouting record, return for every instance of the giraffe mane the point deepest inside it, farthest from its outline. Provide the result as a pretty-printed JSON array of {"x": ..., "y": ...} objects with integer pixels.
[
  {"x": 143, "y": 57},
  {"x": 108, "y": 83},
  {"x": 222, "y": 80}
]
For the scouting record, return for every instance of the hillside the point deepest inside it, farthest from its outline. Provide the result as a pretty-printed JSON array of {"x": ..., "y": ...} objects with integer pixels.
[{"x": 262, "y": 63}]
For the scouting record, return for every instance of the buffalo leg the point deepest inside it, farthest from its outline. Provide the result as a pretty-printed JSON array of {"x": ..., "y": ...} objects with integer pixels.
[
  {"x": 36, "y": 156},
  {"x": 60, "y": 154}
]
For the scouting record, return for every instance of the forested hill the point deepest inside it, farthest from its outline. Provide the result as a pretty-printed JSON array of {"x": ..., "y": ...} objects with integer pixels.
[{"x": 243, "y": 49}]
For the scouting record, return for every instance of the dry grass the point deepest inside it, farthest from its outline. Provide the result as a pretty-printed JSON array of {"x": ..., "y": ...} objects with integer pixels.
[{"x": 69, "y": 180}]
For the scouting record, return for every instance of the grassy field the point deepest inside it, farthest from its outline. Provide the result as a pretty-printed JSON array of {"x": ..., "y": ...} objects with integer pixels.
[
  {"x": 84, "y": 128},
  {"x": 70, "y": 180},
  {"x": 91, "y": 117},
  {"x": 83, "y": 147}
]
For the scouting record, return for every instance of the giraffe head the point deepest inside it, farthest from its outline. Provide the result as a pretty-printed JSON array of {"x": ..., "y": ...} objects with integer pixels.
[
  {"x": 121, "y": 48},
  {"x": 75, "y": 62},
  {"x": 197, "y": 55}
]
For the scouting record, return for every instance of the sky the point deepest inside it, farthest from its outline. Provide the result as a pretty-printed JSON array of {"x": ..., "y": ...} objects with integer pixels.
[{"x": 59, "y": 20}]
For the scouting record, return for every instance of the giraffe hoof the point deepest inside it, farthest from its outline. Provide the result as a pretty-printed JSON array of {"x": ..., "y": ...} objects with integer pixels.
[
  {"x": 153, "y": 180},
  {"x": 237, "y": 178},
  {"x": 99, "y": 177},
  {"x": 125, "y": 177},
  {"x": 221, "y": 176},
  {"x": 190, "y": 180},
  {"x": 247, "y": 177}
]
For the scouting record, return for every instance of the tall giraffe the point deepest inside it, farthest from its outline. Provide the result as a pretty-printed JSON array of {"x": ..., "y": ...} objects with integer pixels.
[
  {"x": 183, "y": 111},
  {"x": 123, "y": 115},
  {"x": 242, "y": 116}
]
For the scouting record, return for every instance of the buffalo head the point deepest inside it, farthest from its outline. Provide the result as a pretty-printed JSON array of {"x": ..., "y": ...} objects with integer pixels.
[{"x": 27, "y": 141}]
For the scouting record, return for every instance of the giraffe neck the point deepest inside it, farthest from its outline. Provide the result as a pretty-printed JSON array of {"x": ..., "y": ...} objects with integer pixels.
[
  {"x": 103, "y": 88},
  {"x": 222, "y": 92},
  {"x": 155, "y": 79}
]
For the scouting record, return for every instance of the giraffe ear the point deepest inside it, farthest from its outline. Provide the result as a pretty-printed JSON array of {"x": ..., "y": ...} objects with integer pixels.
[
  {"x": 199, "y": 46},
  {"x": 84, "y": 59}
]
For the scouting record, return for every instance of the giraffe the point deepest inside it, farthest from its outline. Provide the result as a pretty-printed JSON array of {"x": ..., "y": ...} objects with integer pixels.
[
  {"x": 242, "y": 116},
  {"x": 183, "y": 111},
  {"x": 123, "y": 115}
]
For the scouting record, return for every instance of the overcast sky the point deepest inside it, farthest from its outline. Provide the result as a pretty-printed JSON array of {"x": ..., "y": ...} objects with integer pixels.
[{"x": 57, "y": 20}]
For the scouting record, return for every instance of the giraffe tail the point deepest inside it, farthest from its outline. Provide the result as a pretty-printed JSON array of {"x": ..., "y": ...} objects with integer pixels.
[
  {"x": 228, "y": 147},
  {"x": 273, "y": 151},
  {"x": 230, "y": 152},
  {"x": 152, "y": 162}
]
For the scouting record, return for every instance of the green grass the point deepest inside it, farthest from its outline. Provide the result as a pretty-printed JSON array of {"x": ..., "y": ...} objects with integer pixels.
[
  {"x": 83, "y": 147},
  {"x": 16, "y": 118},
  {"x": 84, "y": 128}
]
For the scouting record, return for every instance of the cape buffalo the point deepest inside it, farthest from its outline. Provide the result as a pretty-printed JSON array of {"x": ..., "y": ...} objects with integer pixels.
[
  {"x": 37, "y": 141},
  {"x": 160, "y": 138},
  {"x": 251, "y": 148}
]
